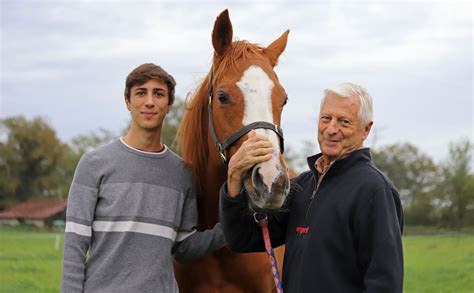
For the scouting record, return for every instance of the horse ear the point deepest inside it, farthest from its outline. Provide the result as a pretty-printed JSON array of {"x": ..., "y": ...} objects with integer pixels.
[
  {"x": 222, "y": 33},
  {"x": 274, "y": 50}
]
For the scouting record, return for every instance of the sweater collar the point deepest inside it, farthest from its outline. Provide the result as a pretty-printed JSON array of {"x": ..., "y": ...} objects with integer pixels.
[{"x": 341, "y": 165}]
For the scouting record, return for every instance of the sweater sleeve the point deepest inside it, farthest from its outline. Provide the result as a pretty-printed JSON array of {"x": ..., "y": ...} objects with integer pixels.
[
  {"x": 79, "y": 216},
  {"x": 240, "y": 229},
  {"x": 380, "y": 243},
  {"x": 191, "y": 244}
]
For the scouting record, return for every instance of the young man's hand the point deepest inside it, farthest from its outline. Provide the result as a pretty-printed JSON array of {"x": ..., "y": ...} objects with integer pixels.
[{"x": 256, "y": 149}]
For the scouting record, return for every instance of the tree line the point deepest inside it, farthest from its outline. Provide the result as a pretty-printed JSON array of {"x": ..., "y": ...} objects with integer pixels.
[{"x": 35, "y": 163}]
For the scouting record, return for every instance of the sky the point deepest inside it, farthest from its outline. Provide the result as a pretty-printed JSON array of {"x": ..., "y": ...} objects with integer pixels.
[{"x": 66, "y": 61}]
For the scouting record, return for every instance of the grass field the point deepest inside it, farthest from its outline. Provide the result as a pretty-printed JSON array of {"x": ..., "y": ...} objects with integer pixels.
[
  {"x": 30, "y": 261},
  {"x": 439, "y": 263}
]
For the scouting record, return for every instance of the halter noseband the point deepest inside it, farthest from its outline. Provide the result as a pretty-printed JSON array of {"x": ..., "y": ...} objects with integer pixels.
[{"x": 222, "y": 147}]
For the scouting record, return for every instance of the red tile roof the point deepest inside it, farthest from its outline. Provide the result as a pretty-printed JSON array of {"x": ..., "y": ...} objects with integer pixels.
[{"x": 34, "y": 209}]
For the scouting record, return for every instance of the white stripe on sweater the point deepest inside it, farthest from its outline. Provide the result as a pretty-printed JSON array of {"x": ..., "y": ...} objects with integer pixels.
[
  {"x": 128, "y": 226},
  {"x": 132, "y": 226},
  {"x": 78, "y": 229}
]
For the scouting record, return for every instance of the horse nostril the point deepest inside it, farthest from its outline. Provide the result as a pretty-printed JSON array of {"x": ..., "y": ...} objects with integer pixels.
[{"x": 257, "y": 180}]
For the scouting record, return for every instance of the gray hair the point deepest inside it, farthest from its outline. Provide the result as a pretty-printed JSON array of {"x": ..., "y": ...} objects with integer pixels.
[{"x": 348, "y": 90}]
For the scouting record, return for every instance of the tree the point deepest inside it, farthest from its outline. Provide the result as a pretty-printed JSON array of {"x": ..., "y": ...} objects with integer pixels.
[
  {"x": 415, "y": 176},
  {"x": 296, "y": 160},
  {"x": 83, "y": 143},
  {"x": 29, "y": 154},
  {"x": 458, "y": 183}
]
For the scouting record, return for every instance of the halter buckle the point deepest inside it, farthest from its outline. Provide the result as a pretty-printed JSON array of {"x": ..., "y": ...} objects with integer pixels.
[
  {"x": 223, "y": 157},
  {"x": 222, "y": 152}
]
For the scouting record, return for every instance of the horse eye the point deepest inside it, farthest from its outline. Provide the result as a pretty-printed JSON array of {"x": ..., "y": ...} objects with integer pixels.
[
  {"x": 285, "y": 101},
  {"x": 223, "y": 97}
]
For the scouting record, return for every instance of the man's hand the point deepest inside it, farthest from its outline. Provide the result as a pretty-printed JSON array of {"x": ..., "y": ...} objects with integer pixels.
[{"x": 256, "y": 149}]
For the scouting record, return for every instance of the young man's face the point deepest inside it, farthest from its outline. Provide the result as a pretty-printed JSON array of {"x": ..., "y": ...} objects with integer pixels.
[
  {"x": 339, "y": 128},
  {"x": 149, "y": 104}
]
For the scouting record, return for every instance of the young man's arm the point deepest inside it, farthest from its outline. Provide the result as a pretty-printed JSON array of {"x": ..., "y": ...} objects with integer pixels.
[{"x": 79, "y": 216}]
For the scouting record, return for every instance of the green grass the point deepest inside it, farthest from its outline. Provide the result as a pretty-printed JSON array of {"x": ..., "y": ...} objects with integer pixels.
[
  {"x": 30, "y": 262},
  {"x": 439, "y": 263}
]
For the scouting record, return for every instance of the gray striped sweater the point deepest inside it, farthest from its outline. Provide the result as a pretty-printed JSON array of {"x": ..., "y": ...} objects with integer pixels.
[{"x": 129, "y": 213}]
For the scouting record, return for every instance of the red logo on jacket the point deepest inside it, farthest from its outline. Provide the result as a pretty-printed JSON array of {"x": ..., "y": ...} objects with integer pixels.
[{"x": 302, "y": 230}]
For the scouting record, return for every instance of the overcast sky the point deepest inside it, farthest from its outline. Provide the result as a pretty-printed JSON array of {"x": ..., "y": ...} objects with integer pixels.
[{"x": 67, "y": 60}]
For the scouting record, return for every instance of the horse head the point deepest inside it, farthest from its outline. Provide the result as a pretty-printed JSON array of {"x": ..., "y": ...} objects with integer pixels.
[{"x": 245, "y": 94}]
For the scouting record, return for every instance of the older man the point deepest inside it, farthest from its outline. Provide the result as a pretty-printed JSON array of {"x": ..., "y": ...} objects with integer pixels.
[{"x": 342, "y": 227}]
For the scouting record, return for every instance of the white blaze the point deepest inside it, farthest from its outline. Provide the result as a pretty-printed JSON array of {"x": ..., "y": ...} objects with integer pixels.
[{"x": 257, "y": 88}]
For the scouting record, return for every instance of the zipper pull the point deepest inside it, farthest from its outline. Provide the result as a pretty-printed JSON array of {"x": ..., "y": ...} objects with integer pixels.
[{"x": 314, "y": 194}]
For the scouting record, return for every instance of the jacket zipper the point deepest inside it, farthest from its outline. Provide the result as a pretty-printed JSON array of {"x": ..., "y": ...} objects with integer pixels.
[{"x": 313, "y": 195}]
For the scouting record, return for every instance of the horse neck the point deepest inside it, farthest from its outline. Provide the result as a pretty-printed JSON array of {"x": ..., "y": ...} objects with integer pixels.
[{"x": 211, "y": 182}]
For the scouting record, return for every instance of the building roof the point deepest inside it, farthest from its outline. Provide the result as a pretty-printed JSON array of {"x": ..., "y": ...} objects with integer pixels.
[{"x": 34, "y": 209}]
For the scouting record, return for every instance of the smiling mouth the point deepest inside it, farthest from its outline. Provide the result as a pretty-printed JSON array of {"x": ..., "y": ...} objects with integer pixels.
[
  {"x": 332, "y": 142},
  {"x": 148, "y": 114}
]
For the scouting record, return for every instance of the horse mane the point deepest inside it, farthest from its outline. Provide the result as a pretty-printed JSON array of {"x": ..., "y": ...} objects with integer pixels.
[
  {"x": 192, "y": 135},
  {"x": 193, "y": 130}
]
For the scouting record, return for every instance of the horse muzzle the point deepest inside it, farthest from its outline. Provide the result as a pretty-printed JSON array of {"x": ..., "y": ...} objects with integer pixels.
[{"x": 267, "y": 193}]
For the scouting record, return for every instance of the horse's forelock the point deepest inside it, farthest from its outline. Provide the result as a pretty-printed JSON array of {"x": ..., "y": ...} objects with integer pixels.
[{"x": 239, "y": 51}]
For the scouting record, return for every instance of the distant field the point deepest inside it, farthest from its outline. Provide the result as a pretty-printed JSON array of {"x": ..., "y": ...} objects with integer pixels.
[
  {"x": 439, "y": 263},
  {"x": 30, "y": 261}
]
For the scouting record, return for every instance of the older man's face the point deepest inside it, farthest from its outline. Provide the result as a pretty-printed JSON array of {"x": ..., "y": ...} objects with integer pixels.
[{"x": 339, "y": 128}]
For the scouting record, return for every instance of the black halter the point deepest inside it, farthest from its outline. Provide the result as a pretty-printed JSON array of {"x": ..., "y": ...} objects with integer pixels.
[{"x": 222, "y": 147}]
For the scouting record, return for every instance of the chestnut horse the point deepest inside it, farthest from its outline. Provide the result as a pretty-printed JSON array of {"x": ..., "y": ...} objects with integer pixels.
[{"x": 240, "y": 93}]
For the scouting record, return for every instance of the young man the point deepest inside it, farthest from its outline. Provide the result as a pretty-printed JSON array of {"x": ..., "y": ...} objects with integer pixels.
[
  {"x": 342, "y": 228},
  {"x": 131, "y": 207}
]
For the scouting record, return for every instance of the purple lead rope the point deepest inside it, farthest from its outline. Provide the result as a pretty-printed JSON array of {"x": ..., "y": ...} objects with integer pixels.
[{"x": 263, "y": 223}]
